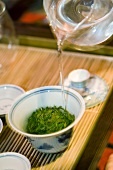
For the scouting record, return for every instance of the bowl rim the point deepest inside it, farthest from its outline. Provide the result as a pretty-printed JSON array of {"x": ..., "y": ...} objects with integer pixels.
[
  {"x": 13, "y": 86},
  {"x": 79, "y": 97},
  {"x": 12, "y": 89},
  {"x": 18, "y": 156}
]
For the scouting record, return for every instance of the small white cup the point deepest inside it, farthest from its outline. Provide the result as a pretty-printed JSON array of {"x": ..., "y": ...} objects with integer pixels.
[{"x": 79, "y": 77}]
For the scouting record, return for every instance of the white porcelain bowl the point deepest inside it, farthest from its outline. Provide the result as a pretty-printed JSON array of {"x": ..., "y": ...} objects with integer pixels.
[
  {"x": 42, "y": 97},
  {"x": 14, "y": 161}
]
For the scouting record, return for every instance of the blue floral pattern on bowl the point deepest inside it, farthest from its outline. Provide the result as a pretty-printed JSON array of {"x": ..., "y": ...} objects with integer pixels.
[{"x": 58, "y": 143}]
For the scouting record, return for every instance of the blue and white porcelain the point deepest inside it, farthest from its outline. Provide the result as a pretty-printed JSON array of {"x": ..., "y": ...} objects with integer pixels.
[
  {"x": 94, "y": 90},
  {"x": 79, "y": 77},
  {"x": 42, "y": 97},
  {"x": 8, "y": 93}
]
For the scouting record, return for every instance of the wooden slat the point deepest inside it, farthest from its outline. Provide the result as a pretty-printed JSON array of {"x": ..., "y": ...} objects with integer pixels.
[{"x": 30, "y": 68}]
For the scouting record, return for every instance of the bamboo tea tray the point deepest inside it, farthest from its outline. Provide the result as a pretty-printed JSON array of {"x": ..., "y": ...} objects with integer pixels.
[{"x": 29, "y": 68}]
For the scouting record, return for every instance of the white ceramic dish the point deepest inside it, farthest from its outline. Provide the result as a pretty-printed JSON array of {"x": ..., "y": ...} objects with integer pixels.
[
  {"x": 1, "y": 125},
  {"x": 43, "y": 97},
  {"x": 94, "y": 92},
  {"x": 8, "y": 93},
  {"x": 14, "y": 161}
]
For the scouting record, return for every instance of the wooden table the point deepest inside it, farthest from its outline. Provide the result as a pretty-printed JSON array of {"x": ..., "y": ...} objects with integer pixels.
[{"x": 30, "y": 68}]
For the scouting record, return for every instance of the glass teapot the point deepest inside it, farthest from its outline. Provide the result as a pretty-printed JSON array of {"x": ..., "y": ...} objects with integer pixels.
[{"x": 83, "y": 24}]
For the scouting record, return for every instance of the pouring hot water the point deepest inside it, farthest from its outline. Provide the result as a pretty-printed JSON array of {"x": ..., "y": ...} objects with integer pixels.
[{"x": 81, "y": 24}]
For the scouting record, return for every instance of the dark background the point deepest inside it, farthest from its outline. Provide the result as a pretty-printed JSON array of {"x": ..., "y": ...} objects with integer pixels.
[
  {"x": 29, "y": 17},
  {"x": 30, "y": 20}
]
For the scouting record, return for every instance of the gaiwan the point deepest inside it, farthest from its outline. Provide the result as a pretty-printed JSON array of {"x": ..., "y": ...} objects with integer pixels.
[{"x": 52, "y": 137}]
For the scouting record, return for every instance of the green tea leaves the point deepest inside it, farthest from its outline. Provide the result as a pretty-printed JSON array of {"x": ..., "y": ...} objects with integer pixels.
[{"x": 48, "y": 120}]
